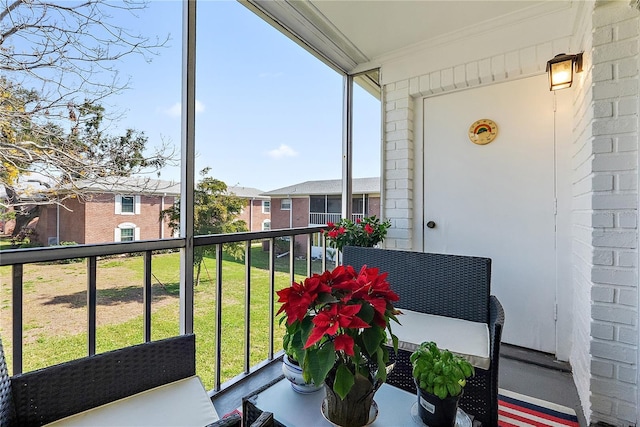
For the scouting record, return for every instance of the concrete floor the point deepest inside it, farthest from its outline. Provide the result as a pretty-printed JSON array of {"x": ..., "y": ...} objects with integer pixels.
[{"x": 538, "y": 375}]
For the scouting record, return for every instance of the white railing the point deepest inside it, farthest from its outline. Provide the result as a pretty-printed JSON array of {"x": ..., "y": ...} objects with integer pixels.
[{"x": 322, "y": 218}]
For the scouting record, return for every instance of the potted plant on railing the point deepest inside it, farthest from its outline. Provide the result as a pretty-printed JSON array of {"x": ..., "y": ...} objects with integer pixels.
[
  {"x": 440, "y": 377},
  {"x": 337, "y": 325},
  {"x": 366, "y": 232}
]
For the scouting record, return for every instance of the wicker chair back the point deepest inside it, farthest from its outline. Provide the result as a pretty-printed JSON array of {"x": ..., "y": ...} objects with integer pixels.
[
  {"x": 7, "y": 411},
  {"x": 55, "y": 392},
  {"x": 445, "y": 285}
]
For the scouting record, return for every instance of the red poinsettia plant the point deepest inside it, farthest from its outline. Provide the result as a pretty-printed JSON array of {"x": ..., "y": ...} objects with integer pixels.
[
  {"x": 366, "y": 232},
  {"x": 337, "y": 323}
]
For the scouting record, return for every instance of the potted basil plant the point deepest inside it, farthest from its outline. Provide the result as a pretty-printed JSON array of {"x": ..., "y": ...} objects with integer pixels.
[{"x": 440, "y": 377}]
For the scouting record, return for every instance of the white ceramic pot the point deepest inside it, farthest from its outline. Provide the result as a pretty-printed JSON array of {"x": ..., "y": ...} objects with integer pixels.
[{"x": 293, "y": 373}]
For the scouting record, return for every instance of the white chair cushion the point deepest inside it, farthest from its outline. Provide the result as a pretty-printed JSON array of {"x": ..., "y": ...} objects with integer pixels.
[
  {"x": 462, "y": 337},
  {"x": 181, "y": 403}
]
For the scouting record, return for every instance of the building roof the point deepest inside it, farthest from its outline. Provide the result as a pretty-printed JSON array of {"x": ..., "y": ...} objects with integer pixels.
[
  {"x": 154, "y": 186},
  {"x": 138, "y": 185},
  {"x": 131, "y": 185},
  {"x": 36, "y": 186},
  {"x": 330, "y": 186},
  {"x": 247, "y": 192}
]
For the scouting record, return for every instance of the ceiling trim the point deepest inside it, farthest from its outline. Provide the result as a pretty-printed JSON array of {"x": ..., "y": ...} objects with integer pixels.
[
  {"x": 304, "y": 24},
  {"x": 526, "y": 62},
  {"x": 369, "y": 83},
  {"x": 326, "y": 29}
]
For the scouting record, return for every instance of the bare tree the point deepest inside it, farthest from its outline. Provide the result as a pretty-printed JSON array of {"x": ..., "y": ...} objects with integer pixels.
[
  {"x": 70, "y": 47},
  {"x": 58, "y": 64}
]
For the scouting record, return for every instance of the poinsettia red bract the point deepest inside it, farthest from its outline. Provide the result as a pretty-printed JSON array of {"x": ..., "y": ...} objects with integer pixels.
[{"x": 339, "y": 317}]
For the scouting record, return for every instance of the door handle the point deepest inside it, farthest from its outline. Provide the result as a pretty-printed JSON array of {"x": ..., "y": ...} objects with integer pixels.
[{"x": 431, "y": 224}]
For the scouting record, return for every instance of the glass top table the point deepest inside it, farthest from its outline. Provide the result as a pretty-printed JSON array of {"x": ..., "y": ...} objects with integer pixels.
[{"x": 396, "y": 407}]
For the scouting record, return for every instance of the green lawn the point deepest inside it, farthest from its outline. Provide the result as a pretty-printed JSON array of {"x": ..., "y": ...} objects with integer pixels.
[
  {"x": 5, "y": 243},
  {"x": 50, "y": 348}
]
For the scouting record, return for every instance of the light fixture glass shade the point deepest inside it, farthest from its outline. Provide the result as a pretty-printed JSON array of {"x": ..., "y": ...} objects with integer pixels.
[
  {"x": 561, "y": 74},
  {"x": 561, "y": 68}
]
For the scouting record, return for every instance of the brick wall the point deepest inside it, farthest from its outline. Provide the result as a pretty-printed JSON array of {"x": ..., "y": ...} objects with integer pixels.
[
  {"x": 252, "y": 214},
  {"x": 374, "y": 206},
  {"x": 73, "y": 223},
  {"x": 279, "y": 218},
  {"x": 297, "y": 217},
  {"x": 258, "y": 217},
  {"x": 300, "y": 216},
  {"x": 43, "y": 224},
  {"x": 398, "y": 160},
  {"x": 583, "y": 255},
  {"x": 607, "y": 214},
  {"x": 95, "y": 220}
]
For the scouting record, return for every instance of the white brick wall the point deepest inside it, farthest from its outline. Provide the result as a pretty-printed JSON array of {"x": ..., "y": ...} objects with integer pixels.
[
  {"x": 398, "y": 158},
  {"x": 608, "y": 140}
]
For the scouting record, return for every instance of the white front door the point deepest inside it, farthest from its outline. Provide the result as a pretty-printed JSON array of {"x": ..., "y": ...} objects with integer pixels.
[{"x": 498, "y": 200}]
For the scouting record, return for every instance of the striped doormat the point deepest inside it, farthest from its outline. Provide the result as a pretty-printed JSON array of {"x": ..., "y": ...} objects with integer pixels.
[{"x": 517, "y": 410}]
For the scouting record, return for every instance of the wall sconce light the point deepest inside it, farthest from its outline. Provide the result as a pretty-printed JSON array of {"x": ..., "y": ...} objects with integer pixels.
[{"x": 560, "y": 70}]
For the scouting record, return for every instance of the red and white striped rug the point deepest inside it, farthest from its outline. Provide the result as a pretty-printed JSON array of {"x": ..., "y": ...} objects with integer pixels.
[{"x": 517, "y": 410}]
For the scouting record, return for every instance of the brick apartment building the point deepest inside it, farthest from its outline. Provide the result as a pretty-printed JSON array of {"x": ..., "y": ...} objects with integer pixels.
[
  {"x": 112, "y": 212},
  {"x": 130, "y": 210},
  {"x": 256, "y": 212}
]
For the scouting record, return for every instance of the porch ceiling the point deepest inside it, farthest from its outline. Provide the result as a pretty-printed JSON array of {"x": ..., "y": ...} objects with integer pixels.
[{"x": 357, "y": 35}]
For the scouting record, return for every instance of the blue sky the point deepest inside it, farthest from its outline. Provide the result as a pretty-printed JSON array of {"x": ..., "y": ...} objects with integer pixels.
[{"x": 269, "y": 114}]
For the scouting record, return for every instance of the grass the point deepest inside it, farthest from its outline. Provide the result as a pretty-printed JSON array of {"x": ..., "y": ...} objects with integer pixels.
[
  {"x": 5, "y": 243},
  {"x": 120, "y": 322}
]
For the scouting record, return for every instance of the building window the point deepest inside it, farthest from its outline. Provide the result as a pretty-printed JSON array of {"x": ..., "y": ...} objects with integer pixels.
[
  {"x": 285, "y": 204},
  {"x": 266, "y": 206},
  {"x": 127, "y": 205},
  {"x": 318, "y": 204},
  {"x": 334, "y": 204},
  {"x": 266, "y": 225},
  {"x": 127, "y": 234},
  {"x": 360, "y": 205}
]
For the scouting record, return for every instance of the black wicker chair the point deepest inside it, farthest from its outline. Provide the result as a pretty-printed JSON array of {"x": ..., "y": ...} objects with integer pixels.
[
  {"x": 7, "y": 409},
  {"x": 49, "y": 394},
  {"x": 443, "y": 285}
]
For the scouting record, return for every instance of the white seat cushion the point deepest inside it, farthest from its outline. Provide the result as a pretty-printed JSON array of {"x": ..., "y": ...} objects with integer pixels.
[
  {"x": 462, "y": 337},
  {"x": 181, "y": 403}
]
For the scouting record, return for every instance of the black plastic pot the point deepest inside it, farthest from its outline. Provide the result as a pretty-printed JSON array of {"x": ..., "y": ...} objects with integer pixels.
[{"x": 436, "y": 412}]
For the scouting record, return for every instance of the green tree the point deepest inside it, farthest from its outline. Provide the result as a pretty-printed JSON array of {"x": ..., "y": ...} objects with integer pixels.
[{"x": 216, "y": 211}]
